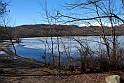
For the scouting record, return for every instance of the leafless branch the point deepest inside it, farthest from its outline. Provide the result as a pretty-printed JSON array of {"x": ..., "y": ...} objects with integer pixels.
[
  {"x": 73, "y": 6},
  {"x": 93, "y": 18}
]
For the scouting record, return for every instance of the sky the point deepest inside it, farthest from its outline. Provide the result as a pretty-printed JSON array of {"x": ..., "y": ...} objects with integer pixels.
[{"x": 26, "y": 12}]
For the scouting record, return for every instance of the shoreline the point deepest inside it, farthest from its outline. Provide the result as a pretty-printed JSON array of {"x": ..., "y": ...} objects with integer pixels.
[
  {"x": 5, "y": 47},
  {"x": 16, "y": 69}
]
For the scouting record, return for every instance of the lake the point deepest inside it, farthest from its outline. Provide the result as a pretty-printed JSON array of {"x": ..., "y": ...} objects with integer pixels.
[{"x": 38, "y": 47}]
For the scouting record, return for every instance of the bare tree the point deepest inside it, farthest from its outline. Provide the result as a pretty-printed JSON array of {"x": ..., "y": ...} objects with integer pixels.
[
  {"x": 123, "y": 1},
  {"x": 99, "y": 11},
  {"x": 51, "y": 16},
  {"x": 4, "y": 19}
]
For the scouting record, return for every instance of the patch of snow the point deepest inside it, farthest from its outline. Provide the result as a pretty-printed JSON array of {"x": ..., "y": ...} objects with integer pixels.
[
  {"x": 97, "y": 24},
  {"x": 2, "y": 52}
]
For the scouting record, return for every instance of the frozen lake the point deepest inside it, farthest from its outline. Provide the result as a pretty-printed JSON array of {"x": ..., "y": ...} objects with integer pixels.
[{"x": 38, "y": 47}]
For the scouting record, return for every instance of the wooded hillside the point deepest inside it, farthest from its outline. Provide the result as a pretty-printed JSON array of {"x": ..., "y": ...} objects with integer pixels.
[{"x": 41, "y": 30}]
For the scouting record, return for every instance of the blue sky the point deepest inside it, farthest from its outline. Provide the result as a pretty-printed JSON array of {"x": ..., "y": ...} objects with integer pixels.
[{"x": 26, "y": 11}]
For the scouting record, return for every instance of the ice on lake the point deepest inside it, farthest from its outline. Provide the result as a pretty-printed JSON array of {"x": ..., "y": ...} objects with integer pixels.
[{"x": 38, "y": 47}]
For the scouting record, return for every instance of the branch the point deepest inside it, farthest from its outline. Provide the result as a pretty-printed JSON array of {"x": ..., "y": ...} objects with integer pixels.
[
  {"x": 93, "y": 18},
  {"x": 117, "y": 17},
  {"x": 79, "y": 19},
  {"x": 86, "y": 3}
]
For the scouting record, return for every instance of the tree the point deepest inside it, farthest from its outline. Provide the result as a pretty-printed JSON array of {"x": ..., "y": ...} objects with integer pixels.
[
  {"x": 49, "y": 18},
  {"x": 3, "y": 11},
  {"x": 2, "y": 7},
  {"x": 100, "y": 11},
  {"x": 123, "y": 1},
  {"x": 4, "y": 20}
]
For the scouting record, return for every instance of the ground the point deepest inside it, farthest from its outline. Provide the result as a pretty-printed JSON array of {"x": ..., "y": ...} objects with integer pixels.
[{"x": 15, "y": 69}]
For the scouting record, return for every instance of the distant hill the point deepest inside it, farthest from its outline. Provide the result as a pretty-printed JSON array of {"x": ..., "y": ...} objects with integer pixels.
[{"x": 44, "y": 30}]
